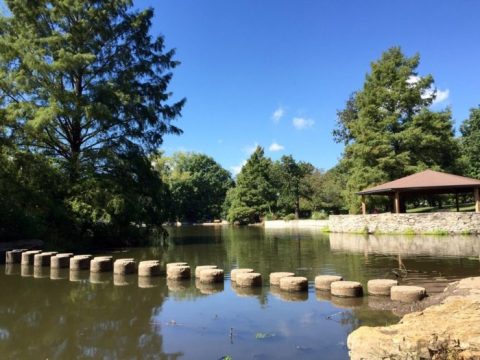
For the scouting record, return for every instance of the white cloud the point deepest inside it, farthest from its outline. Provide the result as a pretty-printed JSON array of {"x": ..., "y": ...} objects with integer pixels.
[
  {"x": 442, "y": 95},
  {"x": 276, "y": 147},
  {"x": 301, "y": 123},
  {"x": 413, "y": 79},
  {"x": 237, "y": 168},
  {"x": 249, "y": 149},
  {"x": 278, "y": 114}
]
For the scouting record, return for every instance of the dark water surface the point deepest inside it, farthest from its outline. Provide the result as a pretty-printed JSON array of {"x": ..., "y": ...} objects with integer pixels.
[{"x": 54, "y": 315}]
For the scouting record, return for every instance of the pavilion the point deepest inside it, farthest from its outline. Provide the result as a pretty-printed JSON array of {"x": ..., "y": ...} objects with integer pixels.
[{"x": 427, "y": 182}]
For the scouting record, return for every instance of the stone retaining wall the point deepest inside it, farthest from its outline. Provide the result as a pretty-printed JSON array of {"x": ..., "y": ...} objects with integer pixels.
[
  {"x": 427, "y": 223},
  {"x": 296, "y": 224}
]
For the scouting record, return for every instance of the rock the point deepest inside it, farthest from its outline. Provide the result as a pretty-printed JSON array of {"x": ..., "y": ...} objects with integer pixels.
[
  {"x": 43, "y": 259},
  {"x": 60, "y": 261},
  {"x": 347, "y": 289},
  {"x": 179, "y": 272},
  {"x": 235, "y": 272},
  {"x": 323, "y": 282},
  {"x": 148, "y": 268},
  {"x": 248, "y": 279},
  {"x": 101, "y": 264},
  {"x": 124, "y": 266},
  {"x": 199, "y": 269},
  {"x": 28, "y": 256},
  {"x": 407, "y": 293},
  {"x": 381, "y": 286},
  {"x": 80, "y": 262},
  {"x": 294, "y": 283},
  {"x": 276, "y": 276},
  {"x": 449, "y": 330},
  {"x": 208, "y": 276}
]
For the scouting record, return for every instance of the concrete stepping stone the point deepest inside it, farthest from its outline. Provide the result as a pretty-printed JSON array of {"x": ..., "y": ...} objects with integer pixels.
[
  {"x": 199, "y": 269},
  {"x": 275, "y": 277},
  {"x": 235, "y": 272},
  {"x": 294, "y": 283},
  {"x": 28, "y": 256},
  {"x": 179, "y": 272},
  {"x": 60, "y": 261},
  {"x": 80, "y": 262},
  {"x": 346, "y": 289},
  {"x": 209, "y": 276},
  {"x": 101, "y": 264},
  {"x": 380, "y": 287},
  {"x": 324, "y": 282},
  {"x": 248, "y": 279},
  {"x": 124, "y": 266},
  {"x": 149, "y": 268},
  {"x": 26, "y": 270},
  {"x": 170, "y": 265},
  {"x": 14, "y": 256},
  {"x": 405, "y": 293},
  {"x": 43, "y": 259}
]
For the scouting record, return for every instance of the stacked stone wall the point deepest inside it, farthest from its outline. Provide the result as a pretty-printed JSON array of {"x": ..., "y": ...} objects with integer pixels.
[{"x": 425, "y": 223}]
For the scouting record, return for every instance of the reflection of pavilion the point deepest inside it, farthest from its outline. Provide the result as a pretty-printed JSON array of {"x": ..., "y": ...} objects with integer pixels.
[{"x": 455, "y": 245}]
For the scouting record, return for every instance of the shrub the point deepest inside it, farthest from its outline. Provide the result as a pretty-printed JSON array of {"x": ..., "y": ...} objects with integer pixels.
[
  {"x": 319, "y": 215},
  {"x": 289, "y": 217}
]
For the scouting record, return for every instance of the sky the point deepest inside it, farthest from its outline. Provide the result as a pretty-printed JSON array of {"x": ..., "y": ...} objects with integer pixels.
[{"x": 274, "y": 72}]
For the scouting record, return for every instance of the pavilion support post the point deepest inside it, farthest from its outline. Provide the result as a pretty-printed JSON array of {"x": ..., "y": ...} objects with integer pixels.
[
  {"x": 476, "y": 193},
  {"x": 364, "y": 206},
  {"x": 397, "y": 202}
]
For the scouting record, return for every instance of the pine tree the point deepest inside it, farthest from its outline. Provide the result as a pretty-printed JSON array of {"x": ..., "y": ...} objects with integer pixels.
[{"x": 470, "y": 143}]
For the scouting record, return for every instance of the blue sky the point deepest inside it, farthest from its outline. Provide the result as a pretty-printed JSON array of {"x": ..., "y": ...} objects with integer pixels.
[{"x": 274, "y": 72}]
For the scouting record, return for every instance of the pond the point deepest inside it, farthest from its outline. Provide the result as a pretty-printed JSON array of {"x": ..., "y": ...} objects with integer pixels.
[{"x": 55, "y": 316}]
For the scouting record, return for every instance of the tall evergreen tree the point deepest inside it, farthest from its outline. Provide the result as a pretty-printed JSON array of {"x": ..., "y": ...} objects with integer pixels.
[
  {"x": 389, "y": 129},
  {"x": 254, "y": 194},
  {"x": 470, "y": 143},
  {"x": 84, "y": 91}
]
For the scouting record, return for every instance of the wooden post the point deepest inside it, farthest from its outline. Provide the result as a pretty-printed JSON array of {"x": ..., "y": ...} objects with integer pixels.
[
  {"x": 476, "y": 193},
  {"x": 364, "y": 206},
  {"x": 456, "y": 202},
  {"x": 397, "y": 202}
]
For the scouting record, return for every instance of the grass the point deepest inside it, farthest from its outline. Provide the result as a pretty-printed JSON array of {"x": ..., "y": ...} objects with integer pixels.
[{"x": 426, "y": 209}]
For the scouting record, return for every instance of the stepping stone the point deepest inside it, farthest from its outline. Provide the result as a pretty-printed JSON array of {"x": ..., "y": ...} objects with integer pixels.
[
  {"x": 199, "y": 269},
  {"x": 28, "y": 256},
  {"x": 248, "y": 279},
  {"x": 346, "y": 289},
  {"x": 149, "y": 268},
  {"x": 80, "y": 262},
  {"x": 209, "y": 276},
  {"x": 124, "y": 266},
  {"x": 101, "y": 264},
  {"x": 276, "y": 276},
  {"x": 60, "y": 261},
  {"x": 294, "y": 283},
  {"x": 43, "y": 259},
  {"x": 380, "y": 287},
  {"x": 14, "y": 256},
  {"x": 235, "y": 272},
  {"x": 407, "y": 293},
  {"x": 324, "y": 282},
  {"x": 180, "y": 272},
  {"x": 170, "y": 265}
]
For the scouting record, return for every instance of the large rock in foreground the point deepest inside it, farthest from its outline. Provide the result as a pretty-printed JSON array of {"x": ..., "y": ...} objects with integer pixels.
[{"x": 448, "y": 330}]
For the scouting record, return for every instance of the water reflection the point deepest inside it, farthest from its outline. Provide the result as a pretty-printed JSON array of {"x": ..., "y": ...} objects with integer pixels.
[{"x": 113, "y": 316}]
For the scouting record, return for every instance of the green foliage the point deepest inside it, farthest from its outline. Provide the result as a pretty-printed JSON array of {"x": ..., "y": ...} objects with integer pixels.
[
  {"x": 326, "y": 190},
  {"x": 470, "y": 143},
  {"x": 254, "y": 194},
  {"x": 319, "y": 215},
  {"x": 198, "y": 186},
  {"x": 289, "y": 217},
  {"x": 83, "y": 102},
  {"x": 389, "y": 130}
]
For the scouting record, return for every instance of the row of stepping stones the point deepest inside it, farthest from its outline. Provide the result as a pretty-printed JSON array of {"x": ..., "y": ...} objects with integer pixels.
[{"x": 209, "y": 274}]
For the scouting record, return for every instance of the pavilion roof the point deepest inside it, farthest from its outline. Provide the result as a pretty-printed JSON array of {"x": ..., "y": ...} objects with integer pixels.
[{"x": 427, "y": 180}]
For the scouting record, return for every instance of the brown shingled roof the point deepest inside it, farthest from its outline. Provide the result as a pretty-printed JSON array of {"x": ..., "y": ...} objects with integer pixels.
[{"x": 425, "y": 180}]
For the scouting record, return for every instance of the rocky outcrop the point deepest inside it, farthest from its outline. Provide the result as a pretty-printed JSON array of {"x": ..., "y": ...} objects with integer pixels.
[
  {"x": 447, "y": 330},
  {"x": 426, "y": 223}
]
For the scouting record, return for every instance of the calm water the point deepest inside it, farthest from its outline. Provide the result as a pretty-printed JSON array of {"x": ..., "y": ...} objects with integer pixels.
[{"x": 56, "y": 316}]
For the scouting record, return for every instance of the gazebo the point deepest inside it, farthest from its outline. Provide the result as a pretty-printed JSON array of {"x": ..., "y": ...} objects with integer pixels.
[{"x": 427, "y": 182}]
